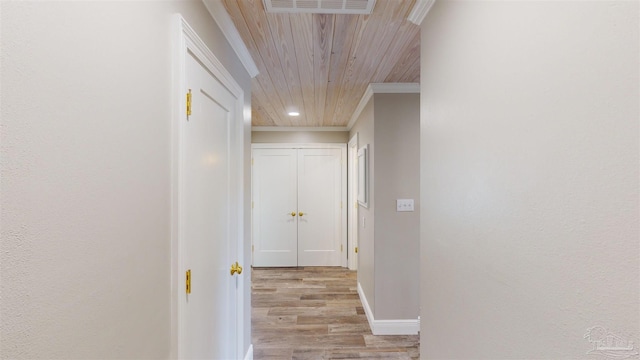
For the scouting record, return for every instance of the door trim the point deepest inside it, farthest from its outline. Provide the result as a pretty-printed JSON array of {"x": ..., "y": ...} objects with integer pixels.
[
  {"x": 186, "y": 41},
  {"x": 343, "y": 157},
  {"x": 352, "y": 195}
]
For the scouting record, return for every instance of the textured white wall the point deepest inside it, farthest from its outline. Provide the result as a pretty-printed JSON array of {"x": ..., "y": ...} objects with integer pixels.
[
  {"x": 85, "y": 169},
  {"x": 529, "y": 178}
]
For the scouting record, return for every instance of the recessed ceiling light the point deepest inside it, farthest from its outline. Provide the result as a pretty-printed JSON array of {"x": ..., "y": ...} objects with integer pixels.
[{"x": 294, "y": 113}]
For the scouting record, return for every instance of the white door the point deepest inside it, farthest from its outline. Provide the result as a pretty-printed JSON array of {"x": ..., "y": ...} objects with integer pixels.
[
  {"x": 319, "y": 207},
  {"x": 208, "y": 246},
  {"x": 298, "y": 217},
  {"x": 275, "y": 219}
]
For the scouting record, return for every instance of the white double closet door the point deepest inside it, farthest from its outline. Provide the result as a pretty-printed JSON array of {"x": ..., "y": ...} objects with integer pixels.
[{"x": 298, "y": 197}]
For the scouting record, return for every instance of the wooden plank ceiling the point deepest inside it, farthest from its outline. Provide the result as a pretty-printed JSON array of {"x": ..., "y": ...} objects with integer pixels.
[{"x": 321, "y": 64}]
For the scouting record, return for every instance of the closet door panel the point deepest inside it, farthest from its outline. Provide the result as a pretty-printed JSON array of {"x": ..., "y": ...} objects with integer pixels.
[
  {"x": 275, "y": 218},
  {"x": 319, "y": 207}
]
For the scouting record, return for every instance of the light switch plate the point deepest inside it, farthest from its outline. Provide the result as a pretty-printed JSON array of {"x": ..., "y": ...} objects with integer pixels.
[{"x": 404, "y": 205}]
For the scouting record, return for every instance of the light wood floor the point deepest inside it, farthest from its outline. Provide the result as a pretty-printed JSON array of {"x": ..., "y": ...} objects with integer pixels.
[{"x": 315, "y": 313}]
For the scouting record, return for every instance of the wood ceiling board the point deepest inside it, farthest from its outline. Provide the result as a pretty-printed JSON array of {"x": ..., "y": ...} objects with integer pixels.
[
  {"x": 302, "y": 28},
  {"x": 258, "y": 114},
  {"x": 322, "y": 41},
  {"x": 401, "y": 46},
  {"x": 280, "y": 26},
  {"x": 259, "y": 97},
  {"x": 409, "y": 56},
  {"x": 254, "y": 14},
  {"x": 412, "y": 74},
  {"x": 323, "y": 63},
  {"x": 266, "y": 90},
  {"x": 344, "y": 29},
  {"x": 378, "y": 31}
]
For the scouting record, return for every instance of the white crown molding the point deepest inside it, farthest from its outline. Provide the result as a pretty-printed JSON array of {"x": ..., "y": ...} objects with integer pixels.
[
  {"x": 387, "y": 327},
  {"x": 222, "y": 18},
  {"x": 299, "y": 128},
  {"x": 420, "y": 10},
  {"x": 382, "y": 88}
]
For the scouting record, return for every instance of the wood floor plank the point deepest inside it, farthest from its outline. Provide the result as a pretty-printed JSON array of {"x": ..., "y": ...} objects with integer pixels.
[
  {"x": 359, "y": 328},
  {"x": 329, "y": 297},
  {"x": 311, "y": 341},
  {"x": 315, "y": 313},
  {"x": 331, "y": 319},
  {"x": 312, "y": 311},
  {"x": 292, "y": 330}
]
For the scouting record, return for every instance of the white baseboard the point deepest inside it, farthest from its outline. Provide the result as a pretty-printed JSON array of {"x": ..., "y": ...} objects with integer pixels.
[
  {"x": 249, "y": 355},
  {"x": 388, "y": 327}
]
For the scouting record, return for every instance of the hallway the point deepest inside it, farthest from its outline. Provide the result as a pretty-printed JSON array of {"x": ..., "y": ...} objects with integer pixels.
[{"x": 315, "y": 313}]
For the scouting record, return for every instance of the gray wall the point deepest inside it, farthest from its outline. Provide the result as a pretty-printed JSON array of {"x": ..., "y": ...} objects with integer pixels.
[
  {"x": 86, "y": 119},
  {"x": 397, "y": 234},
  {"x": 364, "y": 127},
  {"x": 388, "y": 245},
  {"x": 530, "y": 168},
  {"x": 341, "y": 137}
]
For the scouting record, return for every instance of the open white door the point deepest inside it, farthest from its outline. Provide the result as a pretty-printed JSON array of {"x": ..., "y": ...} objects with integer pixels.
[{"x": 208, "y": 171}]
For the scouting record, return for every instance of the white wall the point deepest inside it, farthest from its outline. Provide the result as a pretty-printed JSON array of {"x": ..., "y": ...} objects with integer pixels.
[
  {"x": 86, "y": 111},
  {"x": 529, "y": 178}
]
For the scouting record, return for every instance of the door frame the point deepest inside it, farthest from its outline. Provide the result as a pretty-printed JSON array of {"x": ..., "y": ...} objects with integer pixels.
[
  {"x": 352, "y": 214},
  {"x": 185, "y": 42},
  {"x": 343, "y": 185}
]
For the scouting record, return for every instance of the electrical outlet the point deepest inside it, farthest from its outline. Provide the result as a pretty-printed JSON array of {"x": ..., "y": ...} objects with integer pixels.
[{"x": 404, "y": 205}]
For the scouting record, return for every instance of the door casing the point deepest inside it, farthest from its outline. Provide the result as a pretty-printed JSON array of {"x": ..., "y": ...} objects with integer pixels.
[{"x": 352, "y": 155}]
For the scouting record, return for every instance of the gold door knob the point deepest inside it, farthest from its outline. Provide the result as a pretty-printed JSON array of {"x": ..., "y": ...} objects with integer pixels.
[
  {"x": 236, "y": 269},
  {"x": 301, "y": 213},
  {"x": 293, "y": 213}
]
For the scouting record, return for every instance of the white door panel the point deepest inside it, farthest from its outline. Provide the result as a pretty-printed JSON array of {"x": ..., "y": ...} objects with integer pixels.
[
  {"x": 275, "y": 207},
  {"x": 208, "y": 321},
  {"x": 319, "y": 202}
]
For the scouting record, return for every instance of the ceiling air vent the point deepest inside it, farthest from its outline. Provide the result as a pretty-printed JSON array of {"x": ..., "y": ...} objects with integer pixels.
[{"x": 320, "y": 6}]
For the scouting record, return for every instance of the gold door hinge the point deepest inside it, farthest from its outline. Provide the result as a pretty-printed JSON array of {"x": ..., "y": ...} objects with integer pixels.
[
  {"x": 252, "y": 204},
  {"x": 340, "y": 204},
  {"x": 252, "y": 248},
  {"x": 356, "y": 249},
  {"x": 355, "y": 205},
  {"x": 340, "y": 247},
  {"x": 251, "y": 161},
  {"x": 189, "y": 103},
  {"x": 189, "y": 281}
]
